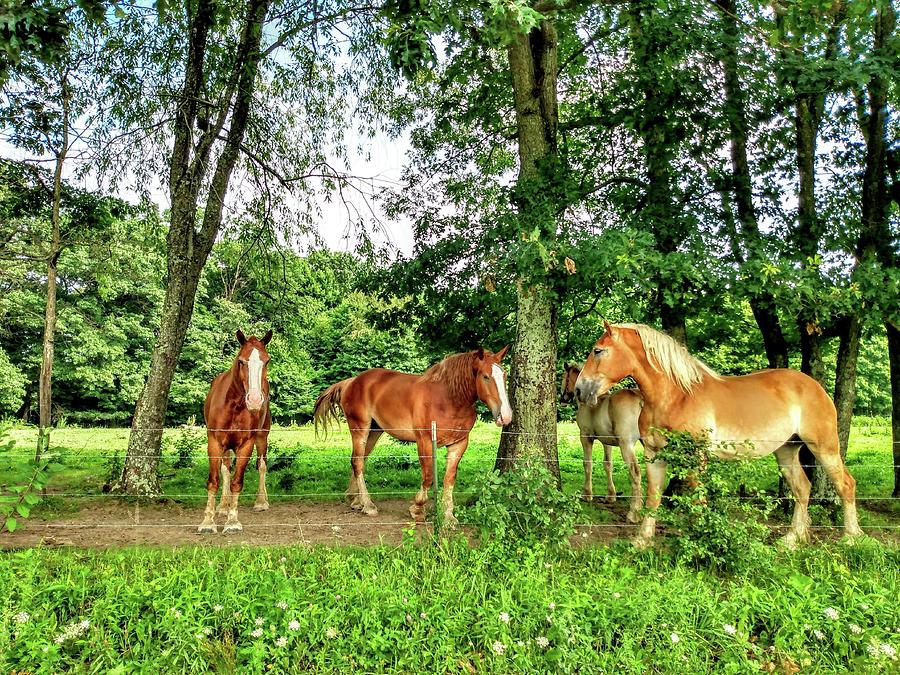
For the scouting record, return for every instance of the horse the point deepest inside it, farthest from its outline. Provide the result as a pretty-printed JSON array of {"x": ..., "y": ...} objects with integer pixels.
[
  {"x": 404, "y": 405},
  {"x": 613, "y": 421},
  {"x": 237, "y": 418},
  {"x": 750, "y": 415}
]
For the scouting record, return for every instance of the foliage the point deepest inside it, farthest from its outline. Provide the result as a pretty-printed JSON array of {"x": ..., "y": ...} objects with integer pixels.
[
  {"x": 27, "y": 495},
  {"x": 716, "y": 528},
  {"x": 186, "y": 445},
  {"x": 371, "y": 609},
  {"x": 522, "y": 507}
]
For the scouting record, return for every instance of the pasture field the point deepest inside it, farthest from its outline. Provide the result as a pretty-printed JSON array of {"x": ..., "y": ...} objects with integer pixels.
[{"x": 416, "y": 605}]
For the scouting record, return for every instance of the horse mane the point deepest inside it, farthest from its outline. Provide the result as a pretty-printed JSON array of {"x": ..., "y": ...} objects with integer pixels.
[
  {"x": 455, "y": 372},
  {"x": 671, "y": 357}
]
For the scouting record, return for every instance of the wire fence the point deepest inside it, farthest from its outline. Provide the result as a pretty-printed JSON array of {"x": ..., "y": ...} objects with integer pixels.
[{"x": 434, "y": 435}]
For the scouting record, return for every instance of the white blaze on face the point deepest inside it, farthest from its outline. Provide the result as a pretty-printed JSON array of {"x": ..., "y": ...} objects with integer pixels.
[
  {"x": 254, "y": 394},
  {"x": 505, "y": 409}
]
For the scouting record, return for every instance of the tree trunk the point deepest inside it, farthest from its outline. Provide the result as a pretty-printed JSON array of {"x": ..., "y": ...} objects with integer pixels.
[
  {"x": 45, "y": 390},
  {"x": 533, "y": 66},
  {"x": 189, "y": 247},
  {"x": 845, "y": 376},
  {"x": 762, "y": 302},
  {"x": 893, "y": 338}
]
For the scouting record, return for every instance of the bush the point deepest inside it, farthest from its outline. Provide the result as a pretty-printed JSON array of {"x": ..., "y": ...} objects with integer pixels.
[
  {"x": 523, "y": 506},
  {"x": 716, "y": 528}
]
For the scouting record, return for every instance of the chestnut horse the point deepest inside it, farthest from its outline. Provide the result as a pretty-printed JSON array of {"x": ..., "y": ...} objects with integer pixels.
[
  {"x": 747, "y": 416},
  {"x": 613, "y": 421},
  {"x": 237, "y": 418},
  {"x": 381, "y": 401}
]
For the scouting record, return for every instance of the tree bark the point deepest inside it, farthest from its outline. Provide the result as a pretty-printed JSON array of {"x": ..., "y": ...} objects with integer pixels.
[
  {"x": 893, "y": 339},
  {"x": 189, "y": 246},
  {"x": 532, "y": 388},
  {"x": 762, "y": 302},
  {"x": 45, "y": 386}
]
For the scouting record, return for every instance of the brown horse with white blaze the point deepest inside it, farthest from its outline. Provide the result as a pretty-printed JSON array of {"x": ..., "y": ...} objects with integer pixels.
[
  {"x": 237, "y": 419},
  {"x": 403, "y": 405},
  {"x": 613, "y": 420},
  {"x": 745, "y": 416}
]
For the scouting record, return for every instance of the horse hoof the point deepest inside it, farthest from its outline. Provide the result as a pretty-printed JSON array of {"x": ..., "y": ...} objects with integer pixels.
[
  {"x": 231, "y": 528},
  {"x": 641, "y": 543},
  {"x": 791, "y": 541},
  {"x": 587, "y": 498},
  {"x": 356, "y": 506},
  {"x": 370, "y": 510},
  {"x": 450, "y": 523},
  {"x": 609, "y": 499},
  {"x": 633, "y": 517},
  {"x": 207, "y": 529},
  {"x": 261, "y": 507}
]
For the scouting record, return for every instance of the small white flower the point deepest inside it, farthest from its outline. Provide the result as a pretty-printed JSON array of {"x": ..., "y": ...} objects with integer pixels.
[
  {"x": 549, "y": 618},
  {"x": 551, "y": 606},
  {"x": 258, "y": 633},
  {"x": 584, "y": 535},
  {"x": 294, "y": 625},
  {"x": 408, "y": 617},
  {"x": 217, "y": 608},
  {"x": 617, "y": 595},
  {"x": 199, "y": 636},
  {"x": 207, "y": 630},
  {"x": 548, "y": 565},
  {"x": 331, "y": 633},
  {"x": 504, "y": 617},
  {"x": 819, "y": 634},
  {"x": 22, "y": 617},
  {"x": 498, "y": 647},
  {"x": 335, "y": 528},
  {"x": 337, "y": 597},
  {"x": 176, "y": 613},
  {"x": 281, "y": 642},
  {"x": 520, "y": 644},
  {"x": 873, "y": 649},
  {"x": 59, "y": 639},
  {"x": 259, "y": 621},
  {"x": 806, "y": 626},
  {"x": 728, "y": 628},
  {"x": 84, "y": 625},
  {"x": 281, "y": 604},
  {"x": 889, "y": 651},
  {"x": 674, "y": 638},
  {"x": 864, "y": 607},
  {"x": 283, "y": 559},
  {"x": 542, "y": 642},
  {"x": 423, "y": 615},
  {"x": 856, "y": 630},
  {"x": 831, "y": 613},
  {"x": 46, "y": 649}
]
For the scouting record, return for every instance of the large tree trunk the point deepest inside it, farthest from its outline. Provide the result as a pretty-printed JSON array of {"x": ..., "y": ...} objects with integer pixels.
[
  {"x": 533, "y": 65},
  {"x": 189, "y": 247},
  {"x": 893, "y": 339},
  {"x": 762, "y": 302},
  {"x": 850, "y": 332}
]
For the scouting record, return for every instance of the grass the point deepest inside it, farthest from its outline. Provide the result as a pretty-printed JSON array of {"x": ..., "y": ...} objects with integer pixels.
[{"x": 447, "y": 608}]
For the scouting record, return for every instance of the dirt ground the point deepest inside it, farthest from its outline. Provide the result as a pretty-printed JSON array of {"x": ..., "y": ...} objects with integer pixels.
[{"x": 115, "y": 524}]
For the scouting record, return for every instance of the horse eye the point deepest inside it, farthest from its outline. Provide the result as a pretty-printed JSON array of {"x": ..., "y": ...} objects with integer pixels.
[
  {"x": 485, "y": 377},
  {"x": 599, "y": 351}
]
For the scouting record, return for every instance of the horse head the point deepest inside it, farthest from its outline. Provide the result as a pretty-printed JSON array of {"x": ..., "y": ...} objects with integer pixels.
[
  {"x": 570, "y": 377},
  {"x": 251, "y": 363},
  {"x": 490, "y": 384},
  {"x": 610, "y": 361}
]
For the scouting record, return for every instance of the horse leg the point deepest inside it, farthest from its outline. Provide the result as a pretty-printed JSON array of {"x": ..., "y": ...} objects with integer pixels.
[
  {"x": 788, "y": 457},
  {"x": 608, "y": 467},
  {"x": 214, "y": 452},
  {"x": 361, "y": 435},
  {"x": 626, "y": 445},
  {"x": 225, "y": 501},
  {"x": 454, "y": 454},
  {"x": 237, "y": 484},
  {"x": 587, "y": 445},
  {"x": 830, "y": 458},
  {"x": 417, "y": 509},
  {"x": 262, "y": 447},
  {"x": 352, "y": 489},
  {"x": 656, "y": 477}
]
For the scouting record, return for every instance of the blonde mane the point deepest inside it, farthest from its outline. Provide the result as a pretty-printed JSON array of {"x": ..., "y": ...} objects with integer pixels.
[
  {"x": 671, "y": 358},
  {"x": 455, "y": 373}
]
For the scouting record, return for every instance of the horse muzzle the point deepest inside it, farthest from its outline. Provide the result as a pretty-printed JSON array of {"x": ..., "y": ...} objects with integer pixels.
[
  {"x": 502, "y": 417},
  {"x": 590, "y": 391},
  {"x": 255, "y": 401}
]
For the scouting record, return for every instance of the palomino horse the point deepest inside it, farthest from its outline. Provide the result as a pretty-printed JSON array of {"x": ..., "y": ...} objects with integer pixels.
[
  {"x": 237, "y": 418},
  {"x": 747, "y": 416},
  {"x": 378, "y": 401},
  {"x": 613, "y": 421}
]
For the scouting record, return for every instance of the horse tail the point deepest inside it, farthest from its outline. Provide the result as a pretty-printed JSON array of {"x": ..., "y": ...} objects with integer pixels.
[{"x": 328, "y": 405}]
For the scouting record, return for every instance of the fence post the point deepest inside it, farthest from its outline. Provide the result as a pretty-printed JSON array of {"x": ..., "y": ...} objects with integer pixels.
[{"x": 434, "y": 472}]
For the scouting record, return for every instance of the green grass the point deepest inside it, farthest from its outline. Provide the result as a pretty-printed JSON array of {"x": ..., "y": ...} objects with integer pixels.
[{"x": 448, "y": 608}]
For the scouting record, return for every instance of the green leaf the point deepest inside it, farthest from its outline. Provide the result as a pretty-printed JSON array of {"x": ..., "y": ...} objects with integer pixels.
[{"x": 11, "y": 524}]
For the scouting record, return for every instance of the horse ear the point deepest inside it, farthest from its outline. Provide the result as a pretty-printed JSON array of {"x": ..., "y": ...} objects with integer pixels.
[
  {"x": 267, "y": 337},
  {"x": 609, "y": 329},
  {"x": 479, "y": 353},
  {"x": 240, "y": 337},
  {"x": 502, "y": 353}
]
